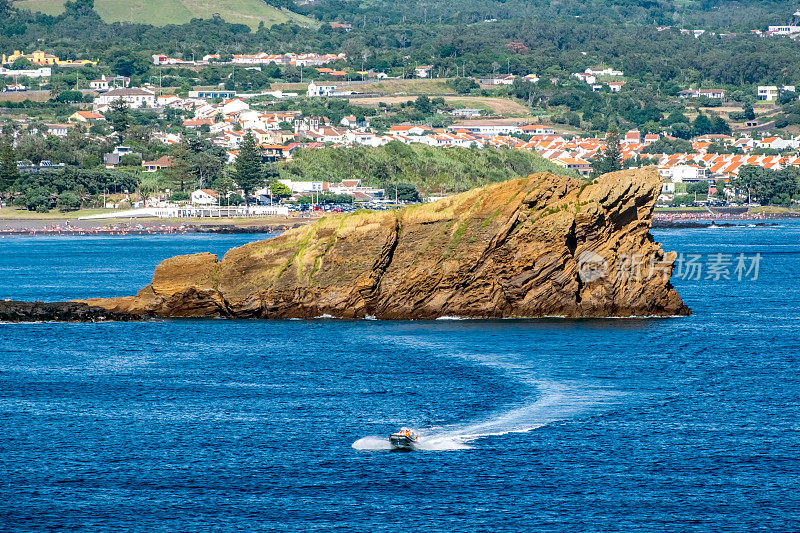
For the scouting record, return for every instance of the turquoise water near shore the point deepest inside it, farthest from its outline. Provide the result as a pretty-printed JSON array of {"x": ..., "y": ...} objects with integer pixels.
[{"x": 667, "y": 424}]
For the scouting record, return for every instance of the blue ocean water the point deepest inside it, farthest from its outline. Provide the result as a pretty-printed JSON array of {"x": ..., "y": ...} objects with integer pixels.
[{"x": 661, "y": 424}]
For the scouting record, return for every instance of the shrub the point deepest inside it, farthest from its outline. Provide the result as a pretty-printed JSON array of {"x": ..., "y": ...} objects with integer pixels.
[
  {"x": 38, "y": 200},
  {"x": 179, "y": 196},
  {"x": 68, "y": 201}
]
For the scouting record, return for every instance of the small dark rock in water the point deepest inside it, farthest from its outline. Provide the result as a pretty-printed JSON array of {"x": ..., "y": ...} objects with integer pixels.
[
  {"x": 11, "y": 311},
  {"x": 684, "y": 224}
]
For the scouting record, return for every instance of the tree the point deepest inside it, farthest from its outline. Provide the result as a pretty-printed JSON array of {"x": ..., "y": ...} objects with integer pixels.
[
  {"x": 611, "y": 157},
  {"x": 404, "y": 192},
  {"x": 786, "y": 97},
  {"x": 223, "y": 186},
  {"x": 8, "y": 166},
  {"x": 21, "y": 64},
  {"x": 68, "y": 201},
  {"x": 248, "y": 171},
  {"x": 720, "y": 126},
  {"x": 280, "y": 190},
  {"x": 37, "y": 199},
  {"x": 207, "y": 167},
  {"x": 463, "y": 85},
  {"x": 701, "y": 125},
  {"x": 668, "y": 146},
  {"x": 423, "y": 105},
  {"x": 130, "y": 160},
  {"x": 749, "y": 113},
  {"x": 127, "y": 63},
  {"x": 148, "y": 186},
  {"x": 682, "y": 130},
  {"x": 68, "y": 96},
  {"x": 80, "y": 8},
  {"x": 700, "y": 187},
  {"x": 178, "y": 174},
  {"x": 119, "y": 117},
  {"x": 769, "y": 186}
]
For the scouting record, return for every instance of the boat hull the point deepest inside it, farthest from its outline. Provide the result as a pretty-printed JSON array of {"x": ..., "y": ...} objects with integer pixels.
[{"x": 401, "y": 443}]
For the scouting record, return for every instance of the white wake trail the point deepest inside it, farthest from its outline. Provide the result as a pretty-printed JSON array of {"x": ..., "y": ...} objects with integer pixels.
[{"x": 551, "y": 402}]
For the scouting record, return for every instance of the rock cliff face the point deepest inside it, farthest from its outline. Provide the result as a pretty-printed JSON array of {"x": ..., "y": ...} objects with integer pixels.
[{"x": 544, "y": 245}]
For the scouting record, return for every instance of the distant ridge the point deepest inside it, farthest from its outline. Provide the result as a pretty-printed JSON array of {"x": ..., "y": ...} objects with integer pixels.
[{"x": 163, "y": 12}]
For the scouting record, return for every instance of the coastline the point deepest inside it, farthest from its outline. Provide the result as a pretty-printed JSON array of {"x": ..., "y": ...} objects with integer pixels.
[{"x": 66, "y": 227}]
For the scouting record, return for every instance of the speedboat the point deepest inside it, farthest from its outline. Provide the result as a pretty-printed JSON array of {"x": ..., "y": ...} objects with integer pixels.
[{"x": 403, "y": 440}]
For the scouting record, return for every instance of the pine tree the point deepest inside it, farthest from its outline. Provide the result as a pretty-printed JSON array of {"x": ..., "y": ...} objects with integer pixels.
[
  {"x": 248, "y": 171},
  {"x": 611, "y": 158},
  {"x": 8, "y": 166},
  {"x": 119, "y": 117}
]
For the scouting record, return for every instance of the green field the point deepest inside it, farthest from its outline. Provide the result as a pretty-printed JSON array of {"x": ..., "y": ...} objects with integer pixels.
[{"x": 163, "y": 12}]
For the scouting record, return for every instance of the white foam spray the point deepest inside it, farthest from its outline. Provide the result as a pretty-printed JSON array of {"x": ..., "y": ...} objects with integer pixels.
[{"x": 550, "y": 402}]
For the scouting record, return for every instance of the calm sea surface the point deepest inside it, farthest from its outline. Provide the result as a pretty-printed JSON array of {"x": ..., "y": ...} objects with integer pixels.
[{"x": 671, "y": 424}]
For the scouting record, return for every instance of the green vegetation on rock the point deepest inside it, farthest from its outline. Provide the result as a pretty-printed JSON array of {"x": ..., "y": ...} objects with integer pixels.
[{"x": 428, "y": 168}]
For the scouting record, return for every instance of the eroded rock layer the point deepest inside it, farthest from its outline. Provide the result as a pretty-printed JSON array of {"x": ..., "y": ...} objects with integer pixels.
[{"x": 544, "y": 245}]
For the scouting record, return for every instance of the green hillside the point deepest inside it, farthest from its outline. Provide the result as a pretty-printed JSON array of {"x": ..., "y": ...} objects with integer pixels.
[{"x": 163, "y": 12}]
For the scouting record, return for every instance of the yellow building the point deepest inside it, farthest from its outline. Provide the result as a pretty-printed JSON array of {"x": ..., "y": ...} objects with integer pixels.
[
  {"x": 75, "y": 62},
  {"x": 41, "y": 58}
]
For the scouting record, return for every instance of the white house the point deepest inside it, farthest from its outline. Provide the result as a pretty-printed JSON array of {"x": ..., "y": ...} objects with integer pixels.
[
  {"x": 783, "y": 30},
  {"x": 769, "y": 93},
  {"x": 106, "y": 83},
  {"x": 615, "y": 86},
  {"x": 717, "y": 94},
  {"x": 300, "y": 187},
  {"x": 683, "y": 173},
  {"x": 466, "y": 113},
  {"x": 366, "y": 138},
  {"x": 236, "y": 105},
  {"x": 407, "y": 129},
  {"x": 591, "y": 79},
  {"x": 212, "y": 94},
  {"x": 205, "y": 197},
  {"x": 603, "y": 72},
  {"x": 499, "y": 80},
  {"x": 59, "y": 130},
  {"x": 487, "y": 128},
  {"x": 320, "y": 89},
  {"x": 133, "y": 97},
  {"x": 577, "y": 164},
  {"x": 44, "y": 72},
  {"x": 777, "y": 143},
  {"x": 423, "y": 71},
  {"x": 537, "y": 129}
]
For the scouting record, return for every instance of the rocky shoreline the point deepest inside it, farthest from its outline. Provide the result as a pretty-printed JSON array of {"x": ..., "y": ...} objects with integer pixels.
[
  {"x": 13, "y": 311},
  {"x": 148, "y": 230}
]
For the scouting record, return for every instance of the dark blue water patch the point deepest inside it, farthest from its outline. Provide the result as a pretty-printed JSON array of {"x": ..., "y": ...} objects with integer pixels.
[
  {"x": 54, "y": 268},
  {"x": 676, "y": 424}
]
